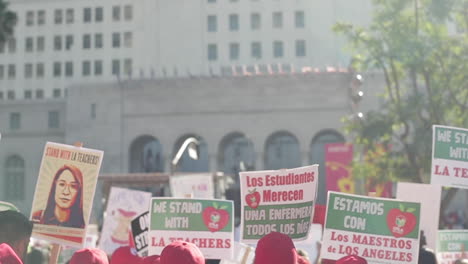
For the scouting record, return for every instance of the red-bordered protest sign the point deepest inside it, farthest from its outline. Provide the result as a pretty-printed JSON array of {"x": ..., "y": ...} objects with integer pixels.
[
  {"x": 64, "y": 193},
  {"x": 279, "y": 200}
]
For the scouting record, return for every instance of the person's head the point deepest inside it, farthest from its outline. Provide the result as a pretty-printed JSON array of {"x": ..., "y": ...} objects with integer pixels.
[
  {"x": 66, "y": 193},
  {"x": 15, "y": 230},
  {"x": 422, "y": 239},
  {"x": 351, "y": 259},
  {"x": 89, "y": 256},
  {"x": 275, "y": 248},
  {"x": 181, "y": 252}
]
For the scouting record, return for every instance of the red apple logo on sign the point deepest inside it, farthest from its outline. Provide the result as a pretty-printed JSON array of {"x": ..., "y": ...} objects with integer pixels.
[
  {"x": 253, "y": 199},
  {"x": 215, "y": 219},
  {"x": 399, "y": 222}
]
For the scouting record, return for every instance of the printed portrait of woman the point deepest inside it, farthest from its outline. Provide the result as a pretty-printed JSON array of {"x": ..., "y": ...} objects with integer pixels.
[{"x": 65, "y": 203}]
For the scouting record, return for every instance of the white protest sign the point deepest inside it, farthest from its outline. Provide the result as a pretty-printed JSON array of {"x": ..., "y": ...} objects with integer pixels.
[
  {"x": 449, "y": 156},
  {"x": 279, "y": 200},
  {"x": 243, "y": 254},
  {"x": 429, "y": 196},
  {"x": 64, "y": 193},
  {"x": 123, "y": 206},
  {"x": 451, "y": 245},
  {"x": 206, "y": 223},
  {"x": 192, "y": 185}
]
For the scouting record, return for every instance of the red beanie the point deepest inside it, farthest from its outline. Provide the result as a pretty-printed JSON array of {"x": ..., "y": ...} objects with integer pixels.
[
  {"x": 351, "y": 259},
  {"x": 151, "y": 260},
  {"x": 125, "y": 255},
  {"x": 181, "y": 252},
  {"x": 89, "y": 256},
  {"x": 275, "y": 248},
  {"x": 8, "y": 255}
]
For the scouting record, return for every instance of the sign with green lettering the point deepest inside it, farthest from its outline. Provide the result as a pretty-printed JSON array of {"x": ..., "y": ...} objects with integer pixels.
[
  {"x": 380, "y": 230},
  {"x": 451, "y": 245},
  {"x": 205, "y": 223},
  {"x": 450, "y": 156},
  {"x": 280, "y": 201}
]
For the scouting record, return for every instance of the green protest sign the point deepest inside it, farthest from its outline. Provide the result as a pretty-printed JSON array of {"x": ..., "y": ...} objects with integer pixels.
[
  {"x": 277, "y": 201},
  {"x": 451, "y": 245},
  {"x": 377, "y": 229},
  {"x": 206, "y": 223},
  {"x": 450, "y": 156}
]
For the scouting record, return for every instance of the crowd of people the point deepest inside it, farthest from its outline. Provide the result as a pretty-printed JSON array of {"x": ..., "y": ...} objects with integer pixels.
[{"x": 274, "y": 248}]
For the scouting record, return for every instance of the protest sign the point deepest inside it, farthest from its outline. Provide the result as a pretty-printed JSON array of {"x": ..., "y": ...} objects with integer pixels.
[
  {"x": 140, "y": 227},
  {"x": 64, "y": 193},
  {"x": 338, "y": 158},
  {"x": 380, "y": 230},
  {"x": 429, "y": 196},
  {"x": 123, "y": 205},
  {"x": 193, "y": 185},
  {"x": 450, "y": 156},
  {"x": 243, "y": 254},
  {"x": 281, "y": 201},
  {"x": 451, "y": 245},
  {"x": 4, "y": 206},
  {"x": 205, "y": 223}
]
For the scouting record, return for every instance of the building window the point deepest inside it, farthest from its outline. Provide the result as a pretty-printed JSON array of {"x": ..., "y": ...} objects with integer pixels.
[
  {"x": 69, "y": 69},
  {"x": 212, "y": 23},
  {"x": 233, "y": 22},
  {"x": 234, "y": 50},
  {"x": 58, "y": 16},
  {"x": 39, "y": 94},
  {"x": 93, "y": 111},
  {"x": 57, "y": 42},
  {"x": 98, "y": 41},
  {"x": 234, "y": 149},
  {"x": 15, "y": 120},
  {"x": 57, "y": 93},
  {"x": 211, "y": 1},
  {"x": 41, "y": 17},
  {"x": 212, "y": 52},
  {"x": 278, "y": 49},
  {"x": 256, "y": 50},
  {"x": 146, "y": 155},
  {"x": 2, "y": 47},
  {"x": 68, "y": 42},
  {"x": 2, "y": 72},
  {"x": 40, "y": 70},
  {"x": 11, "y": 71},
  {"x": 29, "y": 18},
  {"x": 40, "y": 42},
  {"x": 115, "y": 40},
  {"x": 86, "y": 68},
  {"x": 11, "y": 45},
  {"x": 128, "y": 12},
  {"x": 14, "y": 178},
  {"x": 299, "y": 19},
  {"x": 29, "y": 44},
  {"x": 86, "y": 41},
  {"x": 99, "y": 14},
  {"x": 277, "y": 20},
  {"x": 11, "y": 95},
  {"x": 98, "y": 67},
  {"x": 255, "y": 21},
  {"x": 116, "y": 67},
  {"x": 54, "y": 121},
  {"x": 127, "y": 39},
  {"x": 87, "y": 15},
  {"x": 28, "y": 94},
  {"x": 28, "y": 71},
  {"x": 116, "y": 13},
  {"x": 282, "y": 151},
  {"x": 70, "y": 15},
  {"x": 128, "y": 67},
  {"x": 57, "y": 69},
  {"x": 300, "y": 48},
  {"x": 1, "y": 95}
]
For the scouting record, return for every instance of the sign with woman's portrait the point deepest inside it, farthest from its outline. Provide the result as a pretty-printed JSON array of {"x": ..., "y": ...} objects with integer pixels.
[{"x": 64, "y": 193}]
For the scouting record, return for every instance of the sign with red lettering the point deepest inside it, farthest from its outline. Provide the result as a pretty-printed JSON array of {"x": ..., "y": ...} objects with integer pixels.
[
  {"x": 380, "y": 230},
  {"x": 450, "y": 156},
  {"x": 64, "y": 193},
  {"x": 451, "y": 245},
  {"x": 279, "y": 200},
  {"x": 209, "y": 224}
]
